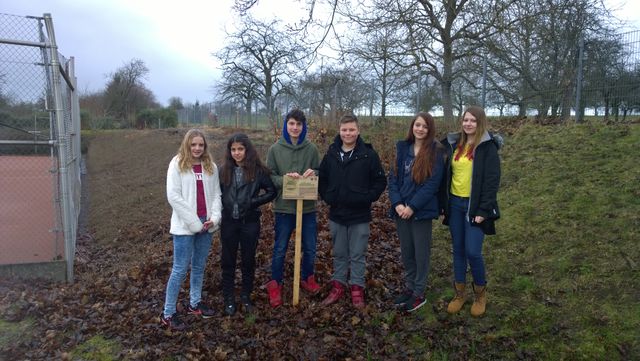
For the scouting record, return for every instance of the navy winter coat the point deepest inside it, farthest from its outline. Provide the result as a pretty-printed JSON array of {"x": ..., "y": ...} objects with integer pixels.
[{"x": 423, "y": 200}]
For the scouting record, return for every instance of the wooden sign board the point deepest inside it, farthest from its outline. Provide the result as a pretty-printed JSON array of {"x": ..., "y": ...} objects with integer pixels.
[{"x": 300, "y": 188}]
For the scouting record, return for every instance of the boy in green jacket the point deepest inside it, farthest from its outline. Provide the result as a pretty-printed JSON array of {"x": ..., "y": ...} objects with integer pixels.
[{"x": 295, "y": 156}]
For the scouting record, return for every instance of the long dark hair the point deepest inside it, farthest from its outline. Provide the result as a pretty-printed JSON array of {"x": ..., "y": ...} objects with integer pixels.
[
  {"x": 426, "y": 158},
  {"x": 251, "y": 165}
]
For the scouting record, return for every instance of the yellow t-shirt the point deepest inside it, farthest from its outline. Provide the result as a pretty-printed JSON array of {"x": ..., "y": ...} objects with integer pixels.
[{"x": 461, "y": 178}]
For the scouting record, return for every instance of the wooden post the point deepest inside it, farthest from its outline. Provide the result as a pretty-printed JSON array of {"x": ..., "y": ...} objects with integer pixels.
[
  {"x": 299, "y": 189},
  {"x": 298, "y": 255}
]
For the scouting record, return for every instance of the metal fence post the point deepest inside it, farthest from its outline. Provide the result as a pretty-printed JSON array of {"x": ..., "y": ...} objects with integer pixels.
[
  {"x": 68, "y": 224},
  {"x": 484, "y": 81},
  {"x": 579, "y": 114}
]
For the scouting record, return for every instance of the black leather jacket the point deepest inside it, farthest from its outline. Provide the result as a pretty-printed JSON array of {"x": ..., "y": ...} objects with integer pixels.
[{"x": 248, "y": 197}]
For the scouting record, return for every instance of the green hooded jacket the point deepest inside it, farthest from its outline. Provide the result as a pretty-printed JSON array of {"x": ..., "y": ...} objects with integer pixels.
[{"x": 283, "y": 158}]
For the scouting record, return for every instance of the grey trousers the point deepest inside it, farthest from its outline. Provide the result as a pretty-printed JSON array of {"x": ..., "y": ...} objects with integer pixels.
[
  {"x": 415, "y": 246},
  {"x": 349, "y": 249}
]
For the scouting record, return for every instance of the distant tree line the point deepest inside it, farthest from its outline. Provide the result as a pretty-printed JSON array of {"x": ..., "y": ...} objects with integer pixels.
[
  {"x": 521, "y": 55},
  {"x": 521, "y": 58},
  {"x": 126, "y": 102}
]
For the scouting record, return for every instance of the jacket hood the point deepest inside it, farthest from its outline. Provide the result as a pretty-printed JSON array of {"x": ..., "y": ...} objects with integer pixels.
[
  {"x": 287, "y": 137},
  {"x": 496, "y": 138}
]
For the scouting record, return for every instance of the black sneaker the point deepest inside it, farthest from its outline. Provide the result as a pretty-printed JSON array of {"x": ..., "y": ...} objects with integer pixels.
[
  {"x": 414, "y": 303},
  {"x": 401, "y": 299},
  {"x": 201, "y": 310},
  {"x": 229, "y": 307},
  {"x": 173, "y": 322},
  {"x": 247, "y": 306}
]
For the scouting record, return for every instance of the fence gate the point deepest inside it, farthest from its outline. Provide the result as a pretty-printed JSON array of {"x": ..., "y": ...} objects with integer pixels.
[{"x": 39, "y": 151}]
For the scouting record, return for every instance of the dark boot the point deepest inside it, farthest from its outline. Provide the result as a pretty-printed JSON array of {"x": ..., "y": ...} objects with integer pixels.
[
  {"x": 247, "y": 305},
  {"x": 230, "y": 306}
]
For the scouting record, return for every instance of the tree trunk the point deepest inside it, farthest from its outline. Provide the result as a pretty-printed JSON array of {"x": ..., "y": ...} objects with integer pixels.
[
  {"x": 447, "y": 103},
  {"x": 447, "y": 80},
  {"x": 522, "y": 108},
  {"x": 247, "y": 109}
]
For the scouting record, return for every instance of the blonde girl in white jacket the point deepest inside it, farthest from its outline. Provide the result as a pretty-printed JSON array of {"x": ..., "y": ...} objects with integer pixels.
[{"x": 193, "y": 191}]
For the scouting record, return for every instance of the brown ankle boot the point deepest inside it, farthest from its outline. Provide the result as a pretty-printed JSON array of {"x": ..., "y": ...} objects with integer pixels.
[
  {"x": 458, "y": 300},
  {"x": 480, "y": 301}
]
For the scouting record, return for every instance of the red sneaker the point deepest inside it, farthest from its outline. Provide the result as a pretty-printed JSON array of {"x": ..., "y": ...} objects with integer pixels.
[
  {"x": 274, "y": 290},
  {"x": 414, "y": 303},
  {"x": 310, "y": 285},
  {"x": 336, "y": 292},
  {"x": 357, "y": 296}
]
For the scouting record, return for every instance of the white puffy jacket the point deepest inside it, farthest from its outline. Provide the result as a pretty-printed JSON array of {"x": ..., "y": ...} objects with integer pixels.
[{"x": 182, "y": 196}]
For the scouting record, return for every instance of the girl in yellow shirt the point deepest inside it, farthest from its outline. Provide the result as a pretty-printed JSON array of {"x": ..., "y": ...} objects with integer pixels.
[{"x": 469, "y": 204}]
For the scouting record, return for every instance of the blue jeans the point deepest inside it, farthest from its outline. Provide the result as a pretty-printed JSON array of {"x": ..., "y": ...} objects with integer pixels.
[
  {"x": 467, "y": 243},
  {"x": 285, "y": 224},
  {"x": 187, "y": 249}
]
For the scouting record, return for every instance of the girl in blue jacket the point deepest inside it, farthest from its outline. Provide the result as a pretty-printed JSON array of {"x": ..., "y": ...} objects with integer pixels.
[{"x": 413, "y": 192}]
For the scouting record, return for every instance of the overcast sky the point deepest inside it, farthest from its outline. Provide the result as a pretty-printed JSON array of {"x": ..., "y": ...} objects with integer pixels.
[{"x": 175, "y": 39}]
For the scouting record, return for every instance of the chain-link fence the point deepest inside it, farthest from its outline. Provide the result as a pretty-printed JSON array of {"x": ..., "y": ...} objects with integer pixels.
[
  {"x": 609, "y": 88},
  {"x": 39, "y": 151}
]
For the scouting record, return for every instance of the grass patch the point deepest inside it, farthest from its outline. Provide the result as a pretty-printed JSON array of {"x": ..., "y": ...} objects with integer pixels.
[
  {"x": 567, "y": 244},
  {"x": 97, "y": 348},
  {"x": 250, "y": 319},
  {"x": 523, "y": 284},
  {"x": 14, "y": 332}
]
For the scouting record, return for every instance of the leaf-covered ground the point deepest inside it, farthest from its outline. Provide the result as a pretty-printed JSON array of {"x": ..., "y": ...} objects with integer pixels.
[{"x": 123, "y": 261}]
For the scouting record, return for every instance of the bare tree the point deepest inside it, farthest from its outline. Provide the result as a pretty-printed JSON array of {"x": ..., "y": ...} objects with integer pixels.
[
  {"x": 266, "y": 55},
  {"x": 93, "y": 102},
  {"x": 603, "y": 66},
  {"x": 126, "y": 93},
  {"x": 443, "y": 32},
  {"x": 176, "y": 103},
  {"x": 437, "y": 34},
  {"x": 331, "y": 90},
  {"x": 378, "y": 50},
  {"x": 239, "y": 87},
  {"x": 533, "y": 58},
  {"x": 242, "y": 6}
]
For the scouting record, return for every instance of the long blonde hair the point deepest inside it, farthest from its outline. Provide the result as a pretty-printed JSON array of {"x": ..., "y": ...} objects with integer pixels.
[
  {"x": 481, "y": 127},
  {"x": 184, "y": 152}
]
